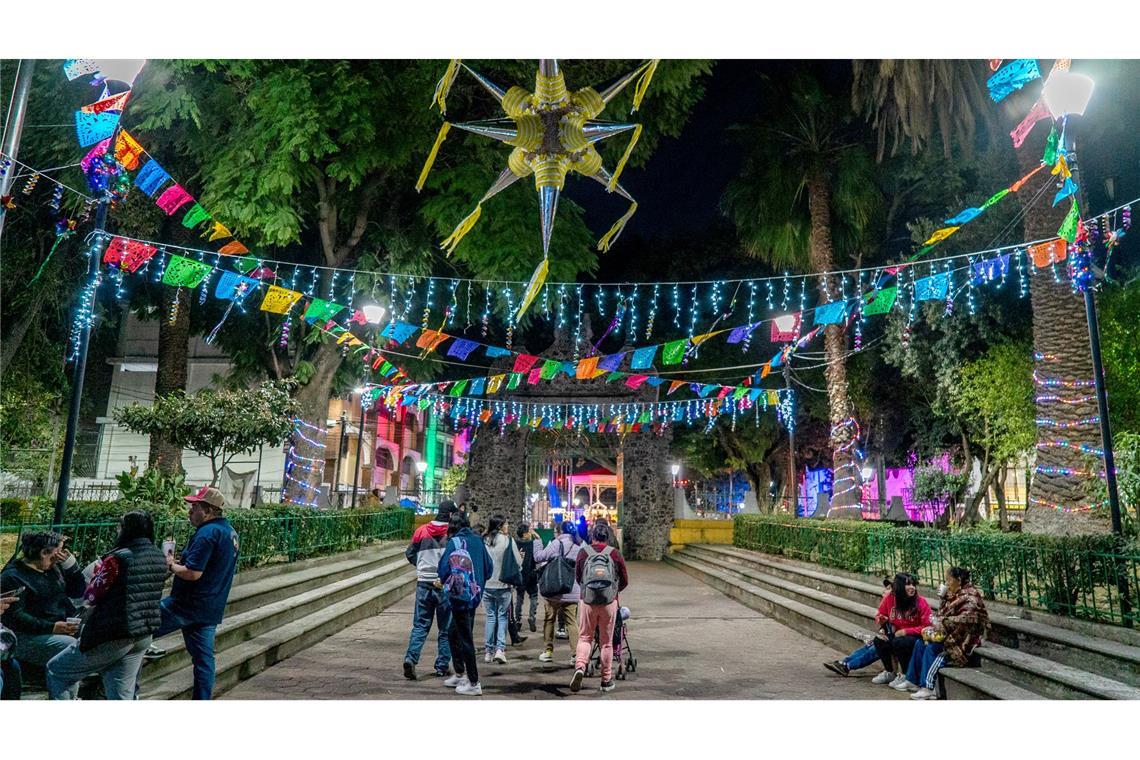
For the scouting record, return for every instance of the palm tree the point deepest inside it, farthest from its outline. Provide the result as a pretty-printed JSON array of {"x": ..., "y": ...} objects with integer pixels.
[
  {"x": 908, "y": 100},
  {"x": 805, "y": 192}
]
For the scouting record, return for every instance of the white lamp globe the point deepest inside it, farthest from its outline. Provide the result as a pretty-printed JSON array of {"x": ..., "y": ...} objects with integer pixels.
[
  {"x": 1067, "y": 93},
  {"x": 867, "y": 473},
  {"x": 373, "y": 313},
  {"x": 421, "y": 466},
  {"x": 120, "y": 69}
]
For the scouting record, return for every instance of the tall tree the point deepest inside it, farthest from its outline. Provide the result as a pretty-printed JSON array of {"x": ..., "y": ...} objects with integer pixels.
[{"x": 806, "y": 193}]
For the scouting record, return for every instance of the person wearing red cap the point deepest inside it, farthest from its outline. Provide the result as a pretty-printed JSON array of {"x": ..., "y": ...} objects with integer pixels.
[{"x": 203, "y": 575}]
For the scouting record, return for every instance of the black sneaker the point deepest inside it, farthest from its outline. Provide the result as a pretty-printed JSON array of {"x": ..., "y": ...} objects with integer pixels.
[
  {"x": 153, "y": 653},
  {"x": 838, "y": 666},
  {"x": 576, "y": 681},
  {"x": 533, "y": 627},
  {"x": 441, "y": 673},
  {"x": 409, "y": 670},
  {"x": 607, "y": 685},
  {"x": 519, "y": 640}
]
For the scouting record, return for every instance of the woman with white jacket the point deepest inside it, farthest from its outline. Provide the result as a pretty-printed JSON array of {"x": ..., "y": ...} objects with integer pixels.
[
  {"x": 567, "y": 545},
  {"x": 497, "y": 593}
]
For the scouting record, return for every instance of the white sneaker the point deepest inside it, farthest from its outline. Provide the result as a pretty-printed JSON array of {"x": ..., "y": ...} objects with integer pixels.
[
  {"x": 904, "y": 685},
  {"x": 487, "y": 656},
  {"x": 501, "y": 657},
  {"x": 885, "y": 677},
  {"x": 561, "y": 634},
  {"x": 470, "y": 689},
  {"x": 546, "y": 656},
  {"x": 924, "y": 693},
  {"x": 455, "y": 680}
]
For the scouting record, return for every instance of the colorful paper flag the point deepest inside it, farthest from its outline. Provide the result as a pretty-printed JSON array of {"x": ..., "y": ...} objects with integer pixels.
[
  {"x": 611, "y": 362},
  {"x": 636, "y": 381},
  {"x": 549, "y": 369},
  {"x": 112, "y": 103},
  {"x": 1045, "y": 254},
  {"x": 932, "y": 288},
  {"x": 1066, "y": 190},
  {"x": 1012, "y": 77},
  {"x": 462, "y": 348},
  {"x": 534, "y": 376},
  {"x": 586, "y": 368},
  {"x": 429, "y": 340},
  {"x": 73, "y": 68},
  {"x": 494, "y": 383},
  {"x": 398, "y": 331},
  {"x": 830, "y": 313},
  {"x": 515, "y": 379},
  {"x": 150, "y": 178},
  {"x": 523, "y": 362},
  {"x": 478, "y": 385},
  {"x": 91, "y": 128},
  {"x": 939, "y": 235},
  {"x": 172, "y": 199},
  {"x": 458, "y": 388},
  {"x": 195, "y": 216},
  {"x": 319, "y": 310},
  {"x": 674, "y": 386},
  {"x": 279, "y": 300},
  {"x": 128, "y": 151},
  {"x": 1038, "y": 112},
  {"x": 185, "y": 273},
  {"x": 881, "y": 301},
  {"x": 643, "y": 358},
  {"x": 218, "y": 231},
  {"x": 233, "y": 248},
  {"x": 494, "y": 352},
  {"x": 229, "y": 283},
  {"x": 1068, "y": 229},
  {"x": 674, "y": 351}
]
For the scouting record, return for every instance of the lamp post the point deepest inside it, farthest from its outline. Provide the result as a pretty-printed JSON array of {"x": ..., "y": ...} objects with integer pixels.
[
  {"x": 676, "y": 470},
  {"x": 421, "y": 468},
  {"x": 1067, "y": 94},
  {"x": 359, "y": 441}
]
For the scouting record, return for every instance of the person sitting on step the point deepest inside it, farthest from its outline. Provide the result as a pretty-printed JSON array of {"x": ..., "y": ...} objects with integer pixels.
[
  {"x": 958, "y": 629},
  {"x": 864, "y": 655}
]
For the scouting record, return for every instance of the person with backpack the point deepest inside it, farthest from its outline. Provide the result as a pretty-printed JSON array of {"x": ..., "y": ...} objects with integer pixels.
[
  {"x": 601, "y": 573},
  {"x": 463, "y": 570},
  {"x": 505, "y": 561},
  {"x": 424, "y": 552},
  {"x": 558, "y": 586}
]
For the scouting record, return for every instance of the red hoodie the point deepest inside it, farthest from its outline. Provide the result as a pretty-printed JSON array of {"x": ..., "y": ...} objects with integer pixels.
[
  {"x": 910, "y": 623},
  {"x": 427, "y": 547}
]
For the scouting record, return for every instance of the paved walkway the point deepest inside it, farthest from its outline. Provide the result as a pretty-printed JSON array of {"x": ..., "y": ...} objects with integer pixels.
[{"x": 690, "y": 641}]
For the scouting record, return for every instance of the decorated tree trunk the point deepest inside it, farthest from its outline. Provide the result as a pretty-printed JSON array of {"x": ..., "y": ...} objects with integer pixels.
[
  {"x": 1062, "y": 355},
  {"x": 173, "y": 358},
  {"x": 313, "y": 398},
  {"x": 835, "y": 345}
]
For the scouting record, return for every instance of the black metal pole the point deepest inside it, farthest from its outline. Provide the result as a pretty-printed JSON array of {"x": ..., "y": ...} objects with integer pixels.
[
  {"x": 14, "y": 127},
  {"x": 359, "y": 441},
  {"x": 1102, "y": 411},
  {"x": 77, "y": 378},
  {"x": 793, "y": 486},
  {"x": 336, "y": 467}
]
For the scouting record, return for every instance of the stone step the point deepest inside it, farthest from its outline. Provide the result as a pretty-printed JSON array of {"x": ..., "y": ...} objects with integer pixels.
[
  {"x": 974, "y": 683},
  {"x": 1082, "y": 650},
  {"x": 245, "y": 660},
  {"x": 848, "y": 621},
  {"x": 247, "y": 625},
  {"x": 262, "y": 586}
]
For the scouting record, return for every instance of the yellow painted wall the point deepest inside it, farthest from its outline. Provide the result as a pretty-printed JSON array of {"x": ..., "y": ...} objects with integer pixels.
[{"x": 700, "y": 532}]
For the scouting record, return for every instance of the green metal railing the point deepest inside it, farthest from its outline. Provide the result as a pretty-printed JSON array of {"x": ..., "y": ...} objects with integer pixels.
[
  {"x": 264, "y": 540},
  {"x": 1079, "y": 577}
]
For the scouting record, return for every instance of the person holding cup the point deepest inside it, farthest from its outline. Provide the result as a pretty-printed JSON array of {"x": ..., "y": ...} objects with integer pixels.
[
  {"x": 124, "y": 593},
  {"x": 48, "y": 578}
]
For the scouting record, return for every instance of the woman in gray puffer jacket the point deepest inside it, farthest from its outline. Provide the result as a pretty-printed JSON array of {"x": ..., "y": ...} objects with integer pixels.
[{"x": 567, "y": 544}]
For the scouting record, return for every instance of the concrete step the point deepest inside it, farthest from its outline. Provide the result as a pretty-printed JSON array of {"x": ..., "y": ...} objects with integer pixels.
[
  {"x": 974, "y": 683},
  {"x": 247, "y": 625},
  {"x": 1082, "y": 650},
  {"x": 245, "y": 660},
  {"x": 842, "y": 623},
  {"x": 262, "y": 586}
]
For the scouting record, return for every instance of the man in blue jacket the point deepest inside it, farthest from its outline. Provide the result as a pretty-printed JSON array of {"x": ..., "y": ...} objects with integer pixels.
[
  {"x": 202, "y": 580},
  {"x": 462, "y": 631}
]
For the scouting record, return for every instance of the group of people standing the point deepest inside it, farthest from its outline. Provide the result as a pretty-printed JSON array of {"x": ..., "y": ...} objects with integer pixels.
[
  {"x": 122, "y": 608},
  {"x": 913, "y": 643},
  {"x": 458, "y": 570}
]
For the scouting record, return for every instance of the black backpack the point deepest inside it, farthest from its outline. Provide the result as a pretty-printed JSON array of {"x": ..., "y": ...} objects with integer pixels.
[{"x": 557, "y": 577}]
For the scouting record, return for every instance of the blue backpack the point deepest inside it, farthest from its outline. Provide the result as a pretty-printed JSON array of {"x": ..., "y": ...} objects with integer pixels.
[{"x": 461, "y": 586}]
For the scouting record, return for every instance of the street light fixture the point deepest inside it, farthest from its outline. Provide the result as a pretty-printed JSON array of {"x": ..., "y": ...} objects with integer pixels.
[
  {"x": 120, "y": 69},
  {"x": 373, "y": 313},
  {"x": 544, "y": 482},
  {"x": 421, "y": 468},
  {"x": 1067, "y": 94}
]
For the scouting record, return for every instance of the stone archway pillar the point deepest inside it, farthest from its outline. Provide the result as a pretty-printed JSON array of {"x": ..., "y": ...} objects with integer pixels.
[
  {"x": 647, "y": 501},
  {"x": 496, "y": 472}
]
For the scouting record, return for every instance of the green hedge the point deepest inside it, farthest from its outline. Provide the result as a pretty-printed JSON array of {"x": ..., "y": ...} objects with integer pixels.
[
  {"x": 274, "y": 533},
  {"x": 1092, "y": 577}
]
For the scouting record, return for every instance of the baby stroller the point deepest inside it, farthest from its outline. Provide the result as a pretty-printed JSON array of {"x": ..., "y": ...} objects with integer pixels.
[{"x": 623, "y": 653}]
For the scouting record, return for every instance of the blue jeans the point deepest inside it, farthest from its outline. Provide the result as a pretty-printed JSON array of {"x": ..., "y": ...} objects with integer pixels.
[
  {"x": 430, "y": 604},
  {"x": 861, "y": 657},
  {"x": 117, "y": 661},
  {"x": 925, "y": 663},
  {"x": 199, "y": 645},
  {"x": 496, "y": 601}
]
